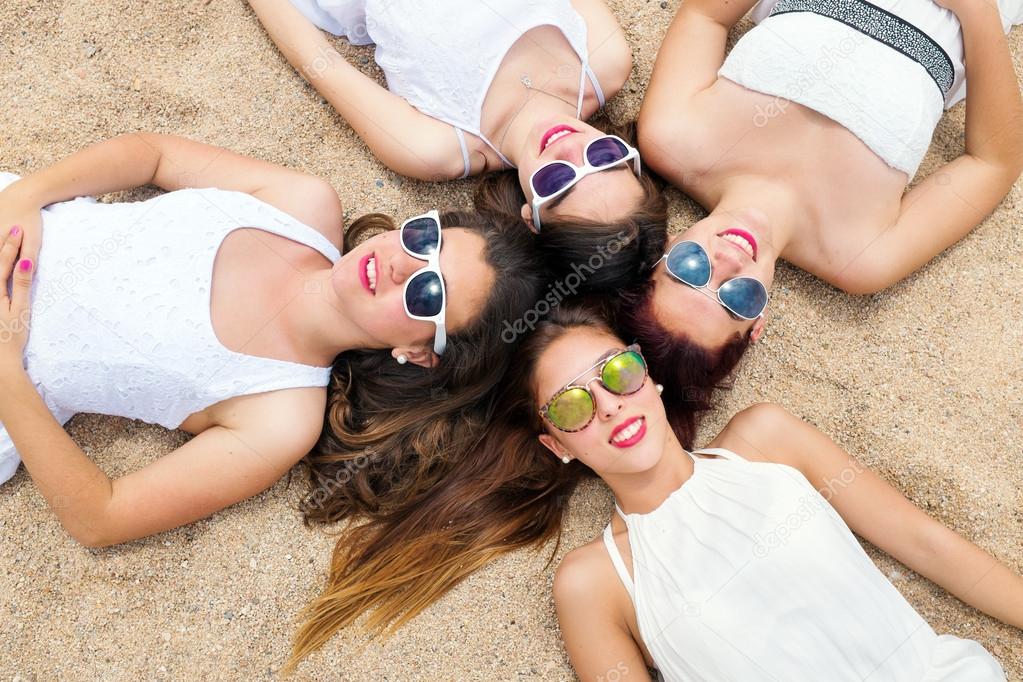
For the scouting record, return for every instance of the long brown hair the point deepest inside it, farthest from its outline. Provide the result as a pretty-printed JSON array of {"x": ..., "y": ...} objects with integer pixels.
[
  {"x": 622, "y": 251},
  {"x": 505, "y": 492}
]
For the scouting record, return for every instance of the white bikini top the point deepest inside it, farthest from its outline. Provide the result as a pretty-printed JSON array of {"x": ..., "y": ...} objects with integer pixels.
[
  {"x": 121, "y": 307},
  {"x": 442, "y": 56}
]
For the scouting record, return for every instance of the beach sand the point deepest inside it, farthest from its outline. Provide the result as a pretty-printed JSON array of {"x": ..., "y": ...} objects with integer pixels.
[{"x": 922, "y": 382}]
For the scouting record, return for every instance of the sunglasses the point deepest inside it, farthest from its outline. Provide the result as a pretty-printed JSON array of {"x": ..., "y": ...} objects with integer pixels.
[
  {"x": 574, "y": 406},
  {"x": 424, "y": 295},
  {"x": 557, "y": 177},
  {"x": 689, "y": 263}
]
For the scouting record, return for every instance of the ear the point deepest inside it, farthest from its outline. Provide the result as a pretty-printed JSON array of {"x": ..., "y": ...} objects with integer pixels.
[
  {"x": 417, "y": 355},
  {"x": 527, "y": 218},
  {"x": 757, "y": 329},
  {"x": 552, "y": 444}
]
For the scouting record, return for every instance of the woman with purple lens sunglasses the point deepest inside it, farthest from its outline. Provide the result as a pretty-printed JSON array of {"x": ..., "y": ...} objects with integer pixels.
[{"x": 501, "y": 89}]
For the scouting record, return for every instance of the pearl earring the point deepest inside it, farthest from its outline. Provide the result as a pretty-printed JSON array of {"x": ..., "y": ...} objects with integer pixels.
[
  {"x": 402, "y": 359},
  {"x": 660, "y": 389},
  {"x": 566, "y": 459}
]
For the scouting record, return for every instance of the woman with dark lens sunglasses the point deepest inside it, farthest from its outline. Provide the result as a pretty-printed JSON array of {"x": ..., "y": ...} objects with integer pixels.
[
  {"x": 695, "y": 537},
  {"x": 229, "y": 313},
  {"x": 506, "y": 93}
]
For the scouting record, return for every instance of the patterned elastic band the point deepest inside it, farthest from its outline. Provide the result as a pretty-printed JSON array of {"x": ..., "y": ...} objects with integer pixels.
[{"x": 884, "y": 27}]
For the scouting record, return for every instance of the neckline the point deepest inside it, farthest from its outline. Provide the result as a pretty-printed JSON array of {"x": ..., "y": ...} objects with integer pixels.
[
  {"x": 635, "y": 515},
  {"x": 209, "y": 299}
]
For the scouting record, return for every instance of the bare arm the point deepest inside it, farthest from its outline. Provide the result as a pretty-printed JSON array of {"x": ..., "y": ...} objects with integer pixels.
[
  {"x": 949, "y": 203},
  {"x": 404, "y": 139},
  {"x": 172, "y": 163},
  {"x": 596, "y": 637},
  {"x": 219, "y": 467},
  {"x": 880, "y": 514},
  {"x": 687, "y": 64}
]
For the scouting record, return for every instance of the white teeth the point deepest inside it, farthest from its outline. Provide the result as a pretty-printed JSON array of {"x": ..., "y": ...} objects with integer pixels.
[
  {"x": 628, "y": 432},
  {"x": 371, "y": 273},
  {"x": 555, "y": 137},
  {"x": 740, "y": 242}
]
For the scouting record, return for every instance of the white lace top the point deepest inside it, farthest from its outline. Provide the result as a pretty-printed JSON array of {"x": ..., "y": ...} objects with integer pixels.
[
  {"x": 747, "y": 573},
  {"x": 121, "y": 308},
  {"x": 442, "y": 56}
]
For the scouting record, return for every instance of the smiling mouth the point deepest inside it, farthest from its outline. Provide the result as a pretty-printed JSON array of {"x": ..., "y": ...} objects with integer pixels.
[
  {"x": 742, "y": 240},
  {"x": 554, "y": 134},
  {"x": 628, "y": 433},
  {"x": 368, "y": 273}
]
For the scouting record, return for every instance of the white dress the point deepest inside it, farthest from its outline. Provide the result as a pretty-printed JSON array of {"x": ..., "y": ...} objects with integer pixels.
[
  {"x": 828, "y": 56},
  {"x": 441, "y": 56},
  {"x": 746, "y": 573},
  {"x": 121, "y": 309}
]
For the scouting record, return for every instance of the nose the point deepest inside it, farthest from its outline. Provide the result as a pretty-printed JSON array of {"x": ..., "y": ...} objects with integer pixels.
[
  {"x": 727, "y": 263},
  {"x": 608, "y": 404},
  {"x": 570, "y": 149},
  {"x": 400, "y": 266}
]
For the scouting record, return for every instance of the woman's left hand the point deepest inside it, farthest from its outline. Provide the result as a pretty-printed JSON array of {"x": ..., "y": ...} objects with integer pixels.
[{"x": 14, "y": 306}]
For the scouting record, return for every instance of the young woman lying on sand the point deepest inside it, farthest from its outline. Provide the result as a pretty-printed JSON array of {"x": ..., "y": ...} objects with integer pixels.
[
  {"x": 800, "y": 142},
  {"x": 476, "y": 88},
  {"x": 221, "y": 312},
  {"x": 730, "y": 563}
]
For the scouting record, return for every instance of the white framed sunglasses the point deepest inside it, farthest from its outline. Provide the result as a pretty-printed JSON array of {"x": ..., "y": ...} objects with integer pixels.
[
  {"x": 424, "y": 295},
  {"x": 554, "y": 178}
]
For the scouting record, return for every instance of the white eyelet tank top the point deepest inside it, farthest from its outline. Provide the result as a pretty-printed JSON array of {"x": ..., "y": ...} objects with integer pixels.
[
  {"x": 441, "y": 56},
  {"x": 747, "y": 573},
  {"x": 121, "y": 309},
  {"x": 874, "y": 90}
]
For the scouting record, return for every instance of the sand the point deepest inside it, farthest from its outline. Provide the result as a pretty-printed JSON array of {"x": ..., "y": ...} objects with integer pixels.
[{"x": 923, "y": 382}]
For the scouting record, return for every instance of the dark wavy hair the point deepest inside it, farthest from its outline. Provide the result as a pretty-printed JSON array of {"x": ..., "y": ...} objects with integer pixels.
[
  {"x": 507, "y": 492},
  {"x": 689, "y": 372},
  {"x": 571, "y": 245},
  {"x": 389, "y": 427}
]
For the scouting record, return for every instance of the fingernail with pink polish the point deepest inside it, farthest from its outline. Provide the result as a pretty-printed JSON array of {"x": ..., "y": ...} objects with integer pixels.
[
  {"x": 25, "y": 265},
  {"x": 15, "y": 231}
]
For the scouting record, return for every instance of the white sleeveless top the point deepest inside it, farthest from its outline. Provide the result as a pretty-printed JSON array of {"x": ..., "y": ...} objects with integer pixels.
[
  {"x": 441, "y": 56},
  {"x": 885, "y": 98},
  {"x": 747, "y": 573},
  {"x": 121, "y": 308}
]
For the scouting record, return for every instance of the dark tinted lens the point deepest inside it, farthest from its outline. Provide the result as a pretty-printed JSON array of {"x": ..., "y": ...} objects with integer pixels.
[
  {"x": 689, "y": 262},
  {"x": 553, "y": 178},
  {"x": 421, "y": 236},
  {"x": 744, "y": 296},
  {"x": 624, "y": 373},
  {"x": 424, "y": 295},
  {"x": 606, "y": 151}
]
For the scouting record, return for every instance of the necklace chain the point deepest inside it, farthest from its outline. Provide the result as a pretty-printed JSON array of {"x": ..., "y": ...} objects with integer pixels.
[{"x": 528, "y": 83}]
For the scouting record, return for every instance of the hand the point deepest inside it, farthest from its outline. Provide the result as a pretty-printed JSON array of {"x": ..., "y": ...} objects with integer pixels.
[
  {"x": 14, "y": 307},
  {"x": 18, "y": 211}
]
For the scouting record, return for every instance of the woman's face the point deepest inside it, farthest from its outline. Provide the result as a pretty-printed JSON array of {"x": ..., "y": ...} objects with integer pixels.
[
  {"x": 602, "y": 445},
  {"x": 606, "y": 197},
  {"x": 739, "y": 245},
  {"x": 369, "y": 283}
]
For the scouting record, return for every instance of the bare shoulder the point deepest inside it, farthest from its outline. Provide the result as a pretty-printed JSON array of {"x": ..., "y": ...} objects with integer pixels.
[
  {"x": 761, "y": 433},
  {"x": 610, "y": 54},
  {"x": 311, "y": 200},
  {"x": 585, "y": 571}
]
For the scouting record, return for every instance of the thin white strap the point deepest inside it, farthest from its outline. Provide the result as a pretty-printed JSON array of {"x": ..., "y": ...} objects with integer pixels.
[
  {"x": 720, "y": 452},
  {"x": 596, "y": 87},
  {"x": 465, "y": 151},
  {"x": 619, "y": 564},
  {"x": 504, "y": 159}
]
